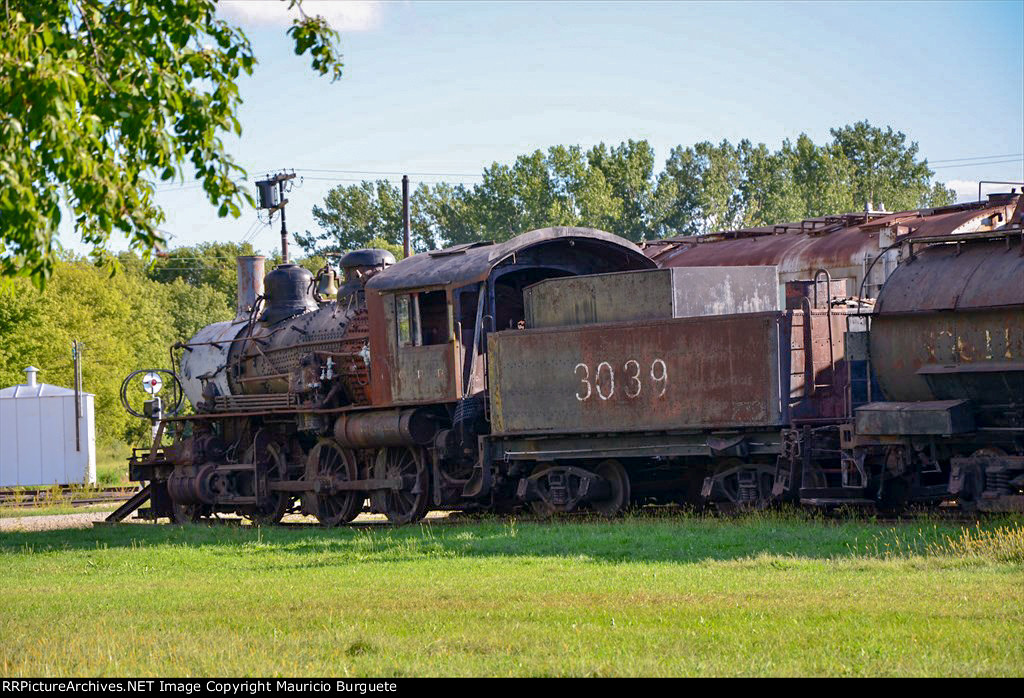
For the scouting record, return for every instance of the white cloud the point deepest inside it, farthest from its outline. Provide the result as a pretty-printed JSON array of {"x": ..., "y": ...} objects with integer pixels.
[
  {"x": 967, "y": 189},
  {"x": 342, "y": 15}
]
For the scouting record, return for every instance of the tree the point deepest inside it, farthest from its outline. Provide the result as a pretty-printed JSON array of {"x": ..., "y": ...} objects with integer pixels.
[
  {"x": 99, "y": 98},
  {"x": 354, "y": 216},
  {"x": 449, "y": 215},
  {"x": 628, "y": 169},
  {"x": 206, "y": 264},
  {"x": 698, "y": 191},
  {"x": 768, "y": 191},
  {"x": 823, "y": 177},
  {"x": 886, "y": 170},
  {"x": 587, "y": 197},
  {"x": 601, "y": 188},
  {"x": 702, "y": 189}
]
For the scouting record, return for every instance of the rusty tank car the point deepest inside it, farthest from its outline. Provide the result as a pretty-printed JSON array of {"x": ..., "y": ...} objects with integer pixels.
[
  {"x": 563, "y": 370},
  {"x": 858, "y": 250},
  {"x": 946, "y": 345}
]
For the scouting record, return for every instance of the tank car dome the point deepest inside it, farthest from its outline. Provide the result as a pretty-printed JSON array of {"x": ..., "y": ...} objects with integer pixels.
[
  {"x": 289, "y": 291},
  {"x": 367, "y": 258}
]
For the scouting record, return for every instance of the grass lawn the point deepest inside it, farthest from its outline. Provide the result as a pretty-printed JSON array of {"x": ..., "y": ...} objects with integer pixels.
[
  {"x": 53, "y": 510},
  {"x": 643, "y": 596},
  {"x": 112, "y": 464}
]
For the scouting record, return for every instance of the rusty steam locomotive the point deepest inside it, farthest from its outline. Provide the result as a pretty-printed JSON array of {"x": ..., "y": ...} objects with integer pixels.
[{"x": 566, "y": 369}]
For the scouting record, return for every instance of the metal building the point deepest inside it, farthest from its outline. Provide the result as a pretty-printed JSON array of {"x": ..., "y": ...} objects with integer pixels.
[{"x": 45, "y": 438}]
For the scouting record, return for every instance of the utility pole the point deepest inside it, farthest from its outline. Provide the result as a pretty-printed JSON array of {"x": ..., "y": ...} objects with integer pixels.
[
  {"x": 271, "y": 197},
  {"x": 406, "y": 225},
  {"x": 76, "y": 361}
]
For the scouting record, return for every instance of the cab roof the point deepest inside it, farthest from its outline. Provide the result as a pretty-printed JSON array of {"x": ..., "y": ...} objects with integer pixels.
[{"x": 472, "y": 262}]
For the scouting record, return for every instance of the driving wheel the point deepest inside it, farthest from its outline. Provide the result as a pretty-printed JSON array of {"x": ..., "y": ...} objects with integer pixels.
[
  {"x": 410, "y": 502},
  {"x": 330, "y": 462}
]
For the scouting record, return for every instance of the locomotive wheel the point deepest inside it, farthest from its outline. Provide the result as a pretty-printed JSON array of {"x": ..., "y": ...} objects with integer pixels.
[
  {"x": 329, "y": 460},
  {"x": 274, "y": 506},
  {"x": 410, "y": 503},
  {"x": 618, "y": 480},
  {"x": 186, "y": 513}
]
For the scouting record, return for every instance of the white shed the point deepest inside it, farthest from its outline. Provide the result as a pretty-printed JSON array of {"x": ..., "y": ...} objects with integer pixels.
[{"x": 41, "y": 441}]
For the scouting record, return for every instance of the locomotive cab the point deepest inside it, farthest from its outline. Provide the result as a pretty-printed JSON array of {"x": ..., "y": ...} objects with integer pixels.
[{"x": 431, "y": 313}]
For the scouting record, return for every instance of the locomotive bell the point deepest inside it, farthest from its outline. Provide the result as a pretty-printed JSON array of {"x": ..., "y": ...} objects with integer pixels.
[{"x": 327, "y": 284}]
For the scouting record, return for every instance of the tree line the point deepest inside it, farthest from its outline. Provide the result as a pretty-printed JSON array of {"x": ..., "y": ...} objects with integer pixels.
[
  {"x": 700, "y": 189},
  {"x": 128, "y": 317},
  {"x": 127, "y": 320}
]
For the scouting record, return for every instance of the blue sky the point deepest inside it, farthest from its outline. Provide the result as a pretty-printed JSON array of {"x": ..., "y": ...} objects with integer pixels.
[{"x": 452, "y": 86}]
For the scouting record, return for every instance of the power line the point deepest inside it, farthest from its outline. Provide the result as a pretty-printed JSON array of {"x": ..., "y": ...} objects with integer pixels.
[
  {"x": 450, "y": 177},
  {"x": 980, "y": 157},
  {"x": 248, "y": 232},
  {"x": 389, "y": 179},
  {"x": 391, "y": 172},
  {"x": 980, "y": 164},
  {"x": 255, "y": 231}
]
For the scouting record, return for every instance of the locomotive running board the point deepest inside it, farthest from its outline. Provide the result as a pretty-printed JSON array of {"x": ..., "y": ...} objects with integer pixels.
[{"x": 137, "y": 500}]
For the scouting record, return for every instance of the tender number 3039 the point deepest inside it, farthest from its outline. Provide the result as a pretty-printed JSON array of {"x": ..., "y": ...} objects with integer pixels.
[{"x": 632, "y": 380}]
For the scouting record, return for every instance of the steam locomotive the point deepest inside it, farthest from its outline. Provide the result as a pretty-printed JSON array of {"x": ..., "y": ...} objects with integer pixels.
[{"x": 565, "y": 370}]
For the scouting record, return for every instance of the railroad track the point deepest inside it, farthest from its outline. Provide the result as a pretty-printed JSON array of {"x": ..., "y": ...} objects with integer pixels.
[
  {"x": 943, "y": 515},
  {"x": 26, "y": 498}
]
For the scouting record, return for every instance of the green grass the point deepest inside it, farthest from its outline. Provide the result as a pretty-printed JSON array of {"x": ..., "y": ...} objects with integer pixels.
[
  {"x": 53, "y": 510},
  {"x": 775, "y": 595},
  {"x": 112, "y": 464}
]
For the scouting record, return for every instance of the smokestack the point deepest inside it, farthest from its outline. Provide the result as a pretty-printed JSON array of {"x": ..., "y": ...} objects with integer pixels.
[
  {"x": 405, "y": 214},
  {"x": 250, "y": 285}
]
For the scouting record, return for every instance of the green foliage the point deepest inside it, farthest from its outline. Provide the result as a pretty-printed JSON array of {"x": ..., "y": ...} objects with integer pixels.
[
  {"x": 354, "y": 215},
  {"x": 100, "y": 98},
  {"x": 607, "y": 188},
  {"x": 126, "y": 320},
  {"x": 703, "y": 188},
  {"x": 885, "y": 169},
  {"x": 698, "y": 192},
  {"x": 208, "y": 263}
]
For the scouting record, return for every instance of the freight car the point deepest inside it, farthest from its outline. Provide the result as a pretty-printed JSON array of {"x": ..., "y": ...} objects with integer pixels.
[{"x": 561, "y": 370}]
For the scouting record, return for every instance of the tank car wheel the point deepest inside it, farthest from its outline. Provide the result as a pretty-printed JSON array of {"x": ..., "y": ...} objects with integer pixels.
[
  {"x": 329, "y": 460},
  {"x": 892, "y": 497},
  {"x": 618, "y": 480},
  {"x": 276, "y": 504},
  {"x": 411, "y": 502}
]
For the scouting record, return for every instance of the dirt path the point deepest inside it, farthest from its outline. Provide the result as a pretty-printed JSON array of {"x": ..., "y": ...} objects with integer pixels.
[{"x": 52, "y": 522}]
